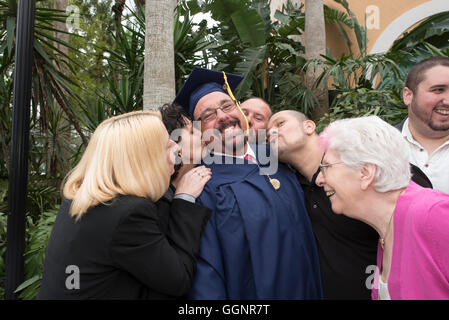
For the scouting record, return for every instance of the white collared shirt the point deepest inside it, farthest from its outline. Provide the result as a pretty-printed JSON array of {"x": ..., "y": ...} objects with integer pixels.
[
  {"x": 249, "y": 151},
  {"x": 383, "y": 292},
  {"x": 435, "y": 166}
]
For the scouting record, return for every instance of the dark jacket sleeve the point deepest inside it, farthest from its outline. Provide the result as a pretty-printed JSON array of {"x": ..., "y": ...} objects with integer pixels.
[
  {"x": 419, "y": 177},
  {"x": 400, "y": 125},
  {"x": 165, "y": 263}
]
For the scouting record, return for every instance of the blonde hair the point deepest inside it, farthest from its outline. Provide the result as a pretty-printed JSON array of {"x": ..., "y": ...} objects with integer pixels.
[{"x": 126, "y": 155}]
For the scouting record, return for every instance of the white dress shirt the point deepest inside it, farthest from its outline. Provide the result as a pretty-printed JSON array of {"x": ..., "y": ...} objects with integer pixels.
[
  {"x": 384, "y": 294},
  {"x": 249, "y": 151},
  {"x": 435, "y": 166}
]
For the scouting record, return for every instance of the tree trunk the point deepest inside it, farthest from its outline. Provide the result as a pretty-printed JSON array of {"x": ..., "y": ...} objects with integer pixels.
[
  {"x": 315, "y": 45},
  {"x": 61, "y": 5},
  {"x": 159, "y": 76}
]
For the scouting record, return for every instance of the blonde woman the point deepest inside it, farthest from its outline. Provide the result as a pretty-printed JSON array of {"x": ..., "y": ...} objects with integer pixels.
[{"x": 107, "y": 242}]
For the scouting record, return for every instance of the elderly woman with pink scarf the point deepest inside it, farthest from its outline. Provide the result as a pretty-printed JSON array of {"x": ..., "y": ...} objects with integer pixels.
[{"x": 366, "y": 175}]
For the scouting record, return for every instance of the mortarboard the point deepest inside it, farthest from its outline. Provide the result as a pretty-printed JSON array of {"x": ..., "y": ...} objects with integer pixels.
[{"x": 201, "y": 82}]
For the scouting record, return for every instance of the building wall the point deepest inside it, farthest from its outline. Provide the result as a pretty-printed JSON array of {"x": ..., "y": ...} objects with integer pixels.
[{"x": 385, "y": 20}]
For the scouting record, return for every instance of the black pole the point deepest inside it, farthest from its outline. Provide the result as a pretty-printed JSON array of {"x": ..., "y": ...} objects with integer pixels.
[{"x": 18, "y": 173}]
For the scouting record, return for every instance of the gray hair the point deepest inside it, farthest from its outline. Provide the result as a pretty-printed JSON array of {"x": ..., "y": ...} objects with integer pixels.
[{"x": 369, "y": 139}]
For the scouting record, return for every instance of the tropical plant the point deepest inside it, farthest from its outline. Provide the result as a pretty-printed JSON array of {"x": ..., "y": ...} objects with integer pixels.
[
  {"x": 3, "y": 224},
  {"x": 363, "y": 102},
  {"x": 434, "y": 30},
  {"x": 191, "y": 41},
  {"x": 264, "y": 52},
  {"x": 426, "y": 39},
  {"x": 269, "y": 54},
  {"x": 349, "y": 19},
  {"x": 125, "y": 75},
  {"x": 38, "y": 235},
  {"x": 96, "y": 24},
  {"x": 42, "y": 203},
  {"x": 360, "y": 84},
  {"x": 125, "y": 79},
  {"x": 356, "y": 86},
  {"x": 52, "y": 83},
  {"x": 5, "y": 123}
]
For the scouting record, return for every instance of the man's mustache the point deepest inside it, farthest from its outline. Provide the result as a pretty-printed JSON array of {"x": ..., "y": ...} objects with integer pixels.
[
  {"x": 228, "y": 123},
  {"x": 441, "y": 105}
]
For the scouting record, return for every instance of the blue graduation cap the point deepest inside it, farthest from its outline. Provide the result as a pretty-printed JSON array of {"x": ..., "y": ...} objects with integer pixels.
[{"x": 201, "y": 82}]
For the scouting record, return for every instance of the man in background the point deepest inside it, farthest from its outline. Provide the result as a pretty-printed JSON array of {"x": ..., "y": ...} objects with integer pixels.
[
  {"x": 257, "y": 111},
  {"x": 426, "y": 129}
]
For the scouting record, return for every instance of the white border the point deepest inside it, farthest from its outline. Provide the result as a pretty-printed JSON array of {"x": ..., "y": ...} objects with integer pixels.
[{"x": 405, "y": 21}]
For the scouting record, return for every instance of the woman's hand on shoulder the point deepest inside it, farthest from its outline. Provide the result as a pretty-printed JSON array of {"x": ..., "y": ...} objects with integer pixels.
[{"x": 193, "y": 181}]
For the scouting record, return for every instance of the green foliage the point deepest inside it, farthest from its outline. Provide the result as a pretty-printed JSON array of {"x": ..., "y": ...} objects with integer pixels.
[
  {"x": 360, "y": 84},
  {"x": 41, "y": 197},
  {"x": 363, "y": 102},
  {"x": 428, "y": 38},
  {"x": 273, "y": 64},
  {"x": 264, "y": 52},
  {"x": 357, "y": 88},
  {"x": 42, "y": 205},
  {"x": 96, "y": 23},
  {"x": 125, "y": 62},
  {"x": 53, "y": 97},
  {"x": 5, "y": 123},
  {"x": 190, "y": 42},
  {"x": 351, "y": 20},
  {"x": 350, "y": 72},
  {"x": 3, "y": 224},
  {"x": 434, "y": 30},
  {"x": 38, "y": 234}
]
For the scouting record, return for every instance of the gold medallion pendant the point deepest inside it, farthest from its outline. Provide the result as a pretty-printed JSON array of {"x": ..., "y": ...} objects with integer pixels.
[
  {"x": 275, "y": 183},
  {"x": 382, "y": 243}
]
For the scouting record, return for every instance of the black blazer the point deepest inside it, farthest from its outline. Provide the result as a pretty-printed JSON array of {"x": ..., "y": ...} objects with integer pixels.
[{"x": 122, "y": 252}]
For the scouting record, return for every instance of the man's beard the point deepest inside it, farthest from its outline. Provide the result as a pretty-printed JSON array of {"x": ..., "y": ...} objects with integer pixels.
[
  {"x": 229, "y": 145},
  {"x": 429, "y": 122}
]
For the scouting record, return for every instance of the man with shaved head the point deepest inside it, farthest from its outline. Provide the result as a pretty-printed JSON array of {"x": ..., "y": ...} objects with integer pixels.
[
  {"x": 347, "y": 248},
  {"x": 257, "y": 111}
]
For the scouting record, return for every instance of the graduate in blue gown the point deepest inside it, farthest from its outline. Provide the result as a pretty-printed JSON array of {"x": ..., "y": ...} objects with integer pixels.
[{"x": 259, "y": 242}]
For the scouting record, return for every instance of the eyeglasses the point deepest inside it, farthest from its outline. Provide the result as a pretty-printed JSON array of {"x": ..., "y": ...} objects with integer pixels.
[
  {"x": 211, "y": 114},
  {"x": 324, "y": 166}
]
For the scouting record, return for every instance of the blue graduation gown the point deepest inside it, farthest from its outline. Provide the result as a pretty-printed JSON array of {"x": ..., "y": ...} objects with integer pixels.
[{"x": 258, "y": 243}]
